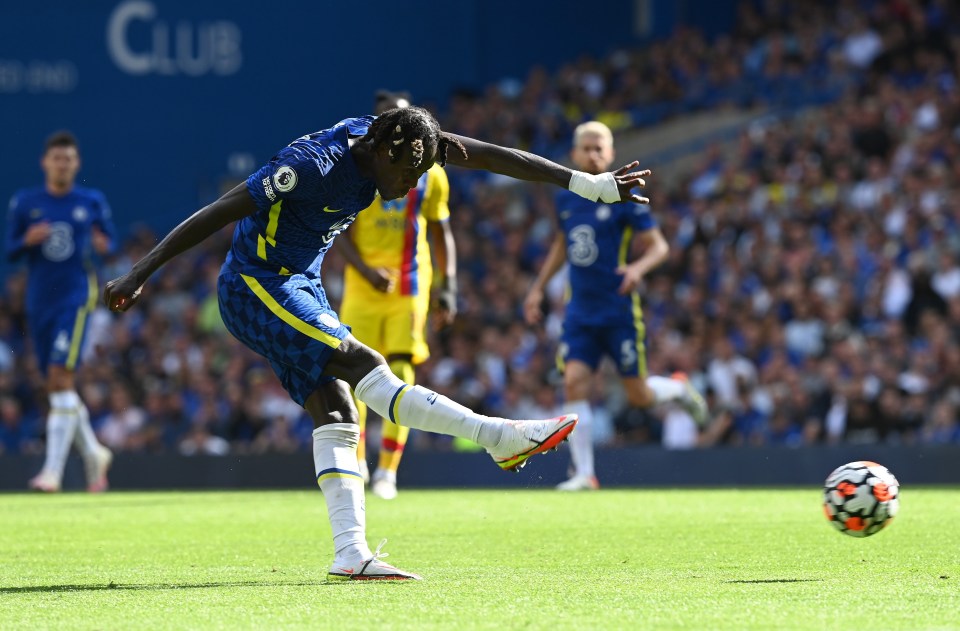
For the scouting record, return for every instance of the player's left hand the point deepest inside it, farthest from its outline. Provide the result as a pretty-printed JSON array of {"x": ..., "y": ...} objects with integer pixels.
[
  {"x": 628, "y": 179},
  {"x": 632, "y": 277},
  {"x": 445, "y": 310},
  {"x": 122, "y": 293}
]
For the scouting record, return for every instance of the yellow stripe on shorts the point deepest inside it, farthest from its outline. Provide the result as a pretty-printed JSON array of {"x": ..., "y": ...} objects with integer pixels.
[
  {"x": 81, "y": 320},
  {"x": 275, "y": 308}
]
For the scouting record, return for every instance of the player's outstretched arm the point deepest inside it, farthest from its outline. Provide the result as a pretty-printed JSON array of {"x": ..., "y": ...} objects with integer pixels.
[
  {"x": 607, "y": 187},
  {"x": 122, "y": 293}
]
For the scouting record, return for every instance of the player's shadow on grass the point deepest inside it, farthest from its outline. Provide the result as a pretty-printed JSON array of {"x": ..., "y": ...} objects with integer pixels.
[
  {"x": 778, "y": 580},
  {"x": 35, "y": 589}
]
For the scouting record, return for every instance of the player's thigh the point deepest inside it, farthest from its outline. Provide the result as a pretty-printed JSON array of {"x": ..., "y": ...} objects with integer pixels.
[
  {"x": 404, "y": 330},
  {"x": 286, "y": 320},
  {"x": 581, "y": 343},
  {"x": 625, "y": 345}
]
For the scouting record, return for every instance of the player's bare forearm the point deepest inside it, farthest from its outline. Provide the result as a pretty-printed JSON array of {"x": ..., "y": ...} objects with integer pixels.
[
  {"x": 348, "y": 249},
  {"x": 379, "y": 277},
  {"x": 556, "y": 257},
  {"x": 444, "y": 253},
  {"x": 533, "y": 303},
  {"x": 655, "y": 250},
  {"x": 234, "y": 205},
  {"x": 511, "y": 162}
]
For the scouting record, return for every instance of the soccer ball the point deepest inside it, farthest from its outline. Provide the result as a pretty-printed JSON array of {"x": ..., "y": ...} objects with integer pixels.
[{"x": 860, "y": 498}]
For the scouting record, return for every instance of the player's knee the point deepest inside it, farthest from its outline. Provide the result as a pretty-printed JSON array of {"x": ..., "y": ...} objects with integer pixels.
[
  {"x": 332, "y": 403},
  {"x": 345, "y": 414},
  {"x": 640, "y": 397},
  {"x": 59, "y": 379},
  {"x": 576, "y": 389}
]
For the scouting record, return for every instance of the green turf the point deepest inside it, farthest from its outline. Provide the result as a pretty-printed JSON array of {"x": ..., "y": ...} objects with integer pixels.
[{"x": 663, "y": 559}]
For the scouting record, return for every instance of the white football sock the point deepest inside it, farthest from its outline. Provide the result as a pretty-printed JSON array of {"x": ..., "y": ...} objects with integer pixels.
[
  {"x": 84, "y": 439},
  {"x": 61, "y": 426},
  {"x": 666, "y": 389},
  {"x": 386, "y": 475},
  {"x": 419, "y": 408},
  {"x": 335, "y": 460},
  {"x": 581, "y": 440}
]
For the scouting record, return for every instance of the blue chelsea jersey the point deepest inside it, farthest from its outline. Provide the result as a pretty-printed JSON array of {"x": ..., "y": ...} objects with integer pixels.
[
  {"x": 307, "y": 194},
  {"x": 61, "y": 269},
  {"x": 598, "y": 238}
]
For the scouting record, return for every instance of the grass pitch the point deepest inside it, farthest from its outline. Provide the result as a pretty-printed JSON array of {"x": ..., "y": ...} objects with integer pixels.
[{"x": 644, "y": 559}]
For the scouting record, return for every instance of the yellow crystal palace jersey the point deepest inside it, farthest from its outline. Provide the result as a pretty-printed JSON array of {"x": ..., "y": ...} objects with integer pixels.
[{"x": 392, "y": 235}]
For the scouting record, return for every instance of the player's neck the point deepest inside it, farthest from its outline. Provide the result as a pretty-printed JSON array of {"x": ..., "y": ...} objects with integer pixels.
[
  {"x": 59, "y": 189},
  {"x": 362, "y": 157}
]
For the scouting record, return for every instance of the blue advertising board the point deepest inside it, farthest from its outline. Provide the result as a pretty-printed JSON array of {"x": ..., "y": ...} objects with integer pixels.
[{"x": 173, "y": 101}]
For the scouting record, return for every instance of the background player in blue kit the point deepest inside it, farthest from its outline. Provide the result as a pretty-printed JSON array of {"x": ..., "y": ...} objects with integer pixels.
[
  {"x": 56, "y": 228},
  {"x": 603, "y": 315},
  {"x": 272, "y": 299}
]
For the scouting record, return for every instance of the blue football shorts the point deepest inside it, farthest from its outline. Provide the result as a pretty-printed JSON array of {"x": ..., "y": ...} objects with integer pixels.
[
  {"x": 57, "y": 334},
  {"x": 624, "y": 344},
  {"x": 287, "y": 320}
]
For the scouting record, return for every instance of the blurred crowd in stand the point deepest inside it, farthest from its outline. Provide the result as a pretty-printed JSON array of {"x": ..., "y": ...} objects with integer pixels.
[{"x": 812, "y": 290}]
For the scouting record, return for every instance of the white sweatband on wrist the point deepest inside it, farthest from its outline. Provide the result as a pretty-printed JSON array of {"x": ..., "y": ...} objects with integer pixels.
[{"x": 594, "y": 187}]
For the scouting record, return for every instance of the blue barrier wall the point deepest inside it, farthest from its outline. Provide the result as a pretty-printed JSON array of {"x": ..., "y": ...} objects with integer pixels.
[
  {"x": 645, "y": 467},
  {"x": 170, "y": 99}
]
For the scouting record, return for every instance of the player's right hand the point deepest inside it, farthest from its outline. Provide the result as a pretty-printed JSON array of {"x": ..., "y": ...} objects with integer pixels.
[
  {"x": 380, "y": 278},
  {"x": 628, "y": 179},
  {"x": 122, "y": 293},
  {"x": 532, "y": 307},
  {"x": 36, "y": 234}
]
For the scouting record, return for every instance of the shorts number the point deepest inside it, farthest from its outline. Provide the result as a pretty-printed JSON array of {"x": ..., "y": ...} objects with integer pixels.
[{"x": 628, "y": 354}]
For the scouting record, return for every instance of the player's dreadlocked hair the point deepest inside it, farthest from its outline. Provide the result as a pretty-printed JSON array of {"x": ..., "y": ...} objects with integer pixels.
[{"x": 415, "y": 126}]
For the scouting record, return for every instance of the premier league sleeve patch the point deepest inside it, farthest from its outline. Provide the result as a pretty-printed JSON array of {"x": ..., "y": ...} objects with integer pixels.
[{"x": 285, "y": 179}]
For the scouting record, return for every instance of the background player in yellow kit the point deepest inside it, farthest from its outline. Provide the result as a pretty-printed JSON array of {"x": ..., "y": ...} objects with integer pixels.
[{"x": 387, "y": 253}]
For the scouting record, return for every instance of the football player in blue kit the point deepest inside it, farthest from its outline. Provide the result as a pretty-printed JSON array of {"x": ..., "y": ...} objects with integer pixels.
[
  {"x": 272, "y": 298},
  {"x": 603, "y": 314},
  {"x": 56, "y": 228}
]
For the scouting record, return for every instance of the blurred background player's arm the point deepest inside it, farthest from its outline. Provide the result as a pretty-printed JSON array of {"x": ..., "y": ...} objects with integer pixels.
[
  {"x": 21, "y": 234},
  {"x": 103, "y": 233},
  {"x": 436, "y": 210},
  {"x": 654, "y": 250},
  {"x": 556, "y": 257},
  {"x": 379, "y": 277},
  {"x": 445, "y": 257}
]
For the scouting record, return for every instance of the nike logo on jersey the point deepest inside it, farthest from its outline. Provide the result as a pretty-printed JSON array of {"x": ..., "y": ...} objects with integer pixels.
[
  {"x": 330, "y": 210},
  {"x": 337, "y": 228}
]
